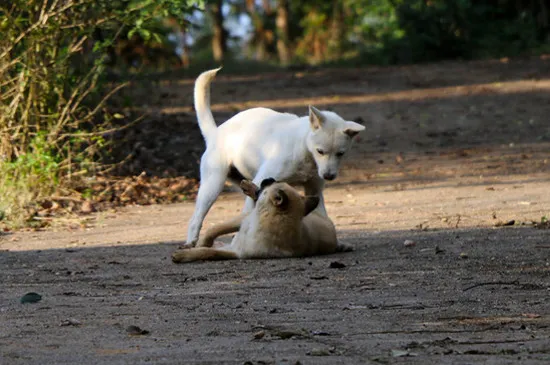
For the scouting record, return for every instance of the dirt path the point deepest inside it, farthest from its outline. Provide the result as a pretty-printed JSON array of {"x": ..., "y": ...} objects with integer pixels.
[{"x": 440, "y": 169}]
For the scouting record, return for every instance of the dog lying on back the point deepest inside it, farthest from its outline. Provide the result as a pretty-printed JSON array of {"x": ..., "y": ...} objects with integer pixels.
[{"x": 282, "y": 223}]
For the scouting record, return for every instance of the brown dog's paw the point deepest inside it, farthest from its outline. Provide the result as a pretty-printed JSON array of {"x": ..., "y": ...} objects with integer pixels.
[
  {"x": 179, "y": 256},
  {"x": 345, "y": 247}
]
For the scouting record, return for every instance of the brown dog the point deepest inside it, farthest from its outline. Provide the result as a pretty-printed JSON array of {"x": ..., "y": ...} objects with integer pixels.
[{"x": 282, "y": 224}]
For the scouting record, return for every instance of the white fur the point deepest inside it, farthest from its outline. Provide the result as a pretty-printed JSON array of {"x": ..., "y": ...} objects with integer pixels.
[{"x": 262, "y": 143}]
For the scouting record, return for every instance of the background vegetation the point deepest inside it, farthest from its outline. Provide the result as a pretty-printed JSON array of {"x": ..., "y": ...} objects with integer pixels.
[
  {"x": 285, "y": 32},
  {"x": 57, "y": 59}
]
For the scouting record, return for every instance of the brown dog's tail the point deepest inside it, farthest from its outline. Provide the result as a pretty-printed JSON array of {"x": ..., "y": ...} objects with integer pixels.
[{"x": 202, "y": 253}]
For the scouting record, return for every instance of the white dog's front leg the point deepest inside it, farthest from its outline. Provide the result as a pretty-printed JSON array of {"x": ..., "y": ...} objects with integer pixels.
[
  {"x": 248, "y": 205},
  {"x": 315, "y": 188},
  {"x": 212, "y": 182},
  {"x": 267, "y": 171}
]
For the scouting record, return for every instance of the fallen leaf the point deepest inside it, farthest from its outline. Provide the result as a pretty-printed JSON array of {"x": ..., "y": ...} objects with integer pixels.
[
  {"x": 259, "y": 335},
  {"x": 115, "y": 351},
  {"x": 320, "y": 333},
  {"x": 321, "y": 277},
  {"x": 530, "y": 315},
  {"x": 87, "y": 207},
  {"x": 286, "y": 334},
  {"x": 504, "y": 224}
]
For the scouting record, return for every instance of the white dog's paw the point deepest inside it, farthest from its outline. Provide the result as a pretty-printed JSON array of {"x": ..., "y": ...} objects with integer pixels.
[{"x": 186, "y": 245}]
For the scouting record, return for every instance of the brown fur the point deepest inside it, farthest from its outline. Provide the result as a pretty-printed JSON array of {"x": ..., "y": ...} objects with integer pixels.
[{"x": 281, "y": 224}]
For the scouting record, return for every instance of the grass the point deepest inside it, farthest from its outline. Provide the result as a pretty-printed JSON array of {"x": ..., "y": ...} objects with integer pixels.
[{"x": 25, "y": 181}]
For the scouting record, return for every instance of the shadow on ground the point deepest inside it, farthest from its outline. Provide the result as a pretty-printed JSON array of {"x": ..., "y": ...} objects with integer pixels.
[{"x": 456, "y": 296}]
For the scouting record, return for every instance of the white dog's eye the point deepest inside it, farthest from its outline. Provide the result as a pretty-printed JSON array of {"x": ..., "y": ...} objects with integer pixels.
[
  {"x": 339, "y": 154},
  {"x": 320, "y": 151}
]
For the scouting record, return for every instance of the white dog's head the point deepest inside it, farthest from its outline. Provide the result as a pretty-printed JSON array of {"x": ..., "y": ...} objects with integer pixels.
[{"x": 329, "y": 140}]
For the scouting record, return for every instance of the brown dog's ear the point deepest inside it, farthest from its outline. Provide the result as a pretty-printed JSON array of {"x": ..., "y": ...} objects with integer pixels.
[
  {"x": 311, "y": 203},
  {"x": 250, "y": 189},
  {"x": 280, "y": 199}
]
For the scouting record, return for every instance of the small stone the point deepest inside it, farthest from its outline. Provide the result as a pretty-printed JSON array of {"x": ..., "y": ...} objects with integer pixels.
[
  {"x": 463, "y": 255},
  {"x": 259, "y": 335},
  {"x": 31, "y": 298},
  {"x": 409, "y": 243},
  {"x": 402, "y": 353},
  {"x": 136, "y": 331},
  {"x": 319, "y": 352},
  {"x": 70, "y": 322}
]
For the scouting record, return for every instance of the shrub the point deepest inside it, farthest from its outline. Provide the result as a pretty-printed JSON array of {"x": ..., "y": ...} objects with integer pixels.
[{"x": 53, "y": 95}]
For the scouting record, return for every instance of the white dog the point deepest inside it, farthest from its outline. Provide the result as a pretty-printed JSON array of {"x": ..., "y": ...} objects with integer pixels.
[{"x": 261, "y": 143}]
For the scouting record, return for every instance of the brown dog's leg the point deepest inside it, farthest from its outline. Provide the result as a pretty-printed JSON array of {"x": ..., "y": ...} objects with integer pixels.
[
  {"x": 211, "y": 234},
  {"x": 202, "y": 253},
  {"x": 344, "y": 247}
]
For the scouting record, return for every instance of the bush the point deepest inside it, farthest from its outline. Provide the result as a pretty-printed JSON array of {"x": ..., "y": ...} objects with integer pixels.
[
  {"x": 53, "y": 94},
  {"x": 419, "y": 30}
]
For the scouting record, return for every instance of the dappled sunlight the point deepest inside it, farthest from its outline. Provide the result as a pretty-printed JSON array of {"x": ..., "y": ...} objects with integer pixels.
[
  {"x": 504, "y": 88},
  {"x": 451, "y": 164},
  {"x": 370, "y": 206},
  {"x": 441, "y": 204}
]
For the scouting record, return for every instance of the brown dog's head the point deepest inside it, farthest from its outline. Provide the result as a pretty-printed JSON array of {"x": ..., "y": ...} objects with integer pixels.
[{"x": 279, "y": 195}]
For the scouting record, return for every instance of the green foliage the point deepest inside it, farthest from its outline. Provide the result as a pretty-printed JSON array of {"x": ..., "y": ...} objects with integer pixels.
[
  {"x": 53, "y": 96},
  {"x": 408, "y": 31},
  {"x": 31, "y": 175},
  {"x": 418, "y": 30}
]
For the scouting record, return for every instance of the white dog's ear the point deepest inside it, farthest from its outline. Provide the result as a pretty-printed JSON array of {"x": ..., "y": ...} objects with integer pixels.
[
  {"x": 316, "y": 118},
  {"x": 352, "y": 129}
]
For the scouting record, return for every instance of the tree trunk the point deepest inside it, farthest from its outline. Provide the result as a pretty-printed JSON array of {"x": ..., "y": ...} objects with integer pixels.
[
  {"x": 260, "y": 38},
  {"x": 283, "y": 46},
  {"x": 336, "y": 30},
  {"x": 184, "y": 57},
  {"x": 543, "y": 20},
  {"x": 219, "y": 35}
]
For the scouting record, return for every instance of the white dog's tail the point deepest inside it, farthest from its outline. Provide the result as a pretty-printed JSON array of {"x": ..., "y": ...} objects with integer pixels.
[{"x": 202, "y": 104}]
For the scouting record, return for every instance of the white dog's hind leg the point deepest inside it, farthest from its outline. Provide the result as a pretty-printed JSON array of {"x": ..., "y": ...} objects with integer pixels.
[{"x": 213, "y": 176}]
